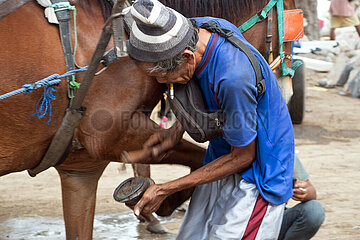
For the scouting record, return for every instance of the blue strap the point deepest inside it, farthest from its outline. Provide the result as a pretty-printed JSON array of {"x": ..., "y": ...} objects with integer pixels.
[
  {"x": 280, "y": 13},
  {"x": 296, "y": 64}
]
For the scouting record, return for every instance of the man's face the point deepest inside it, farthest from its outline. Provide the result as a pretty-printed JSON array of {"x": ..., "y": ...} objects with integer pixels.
[{"x": 181, "y": 74}]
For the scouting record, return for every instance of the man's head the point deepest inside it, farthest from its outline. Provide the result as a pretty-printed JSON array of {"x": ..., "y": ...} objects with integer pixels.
[{"x": 162, "y": 41}]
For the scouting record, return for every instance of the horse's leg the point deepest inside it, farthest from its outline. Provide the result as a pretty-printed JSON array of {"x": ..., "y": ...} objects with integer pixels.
[
  {"x": 79, "y": 185},
  {"x": 141, "y": 169}
]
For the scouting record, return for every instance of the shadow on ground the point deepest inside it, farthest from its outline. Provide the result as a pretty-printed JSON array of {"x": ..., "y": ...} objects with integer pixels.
[{"x": 323, "y": 136}]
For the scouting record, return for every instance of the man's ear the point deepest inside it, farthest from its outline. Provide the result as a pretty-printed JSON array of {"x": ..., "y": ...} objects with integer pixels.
[{"x": 188, "y": 56}]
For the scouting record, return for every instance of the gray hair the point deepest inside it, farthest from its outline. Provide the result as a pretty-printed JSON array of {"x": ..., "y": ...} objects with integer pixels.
[{"x": 168, "y": 65}]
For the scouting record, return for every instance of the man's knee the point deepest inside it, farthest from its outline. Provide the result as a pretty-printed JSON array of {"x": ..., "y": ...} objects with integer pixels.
[{"x": 314, "y": 213}]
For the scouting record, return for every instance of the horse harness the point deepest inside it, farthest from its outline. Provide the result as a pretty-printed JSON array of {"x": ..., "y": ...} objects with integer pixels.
[
  {"x": 266, "y": 13},
  {"x": 61, "y": 144}
]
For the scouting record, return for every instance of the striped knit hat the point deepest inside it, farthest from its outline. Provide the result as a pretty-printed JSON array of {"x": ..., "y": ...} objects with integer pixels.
[{"x": 158, "y": 32}]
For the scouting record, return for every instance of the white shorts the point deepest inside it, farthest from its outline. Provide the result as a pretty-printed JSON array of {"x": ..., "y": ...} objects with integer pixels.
[{"x": 230, "y": 208}]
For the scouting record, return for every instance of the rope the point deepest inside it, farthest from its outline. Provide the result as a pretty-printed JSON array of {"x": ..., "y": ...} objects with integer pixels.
[{"x": 44, "y": 104}]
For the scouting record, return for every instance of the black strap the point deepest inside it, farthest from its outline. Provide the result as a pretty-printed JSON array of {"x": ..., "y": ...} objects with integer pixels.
[
  {"x": 268, "y": 50},
  {"x": 229, "y": 35},
  {"x": 64, "y": 17},
  {"x": 108, "y": 57}
]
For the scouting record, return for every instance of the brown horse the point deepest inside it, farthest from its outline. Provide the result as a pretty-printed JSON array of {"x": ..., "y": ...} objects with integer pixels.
[
  {"x": 118, "y": 104},
  {"x": 117, "y": 107}
]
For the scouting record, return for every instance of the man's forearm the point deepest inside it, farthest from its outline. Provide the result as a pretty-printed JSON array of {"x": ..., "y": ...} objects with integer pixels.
[{"x": 236, "y": 161}]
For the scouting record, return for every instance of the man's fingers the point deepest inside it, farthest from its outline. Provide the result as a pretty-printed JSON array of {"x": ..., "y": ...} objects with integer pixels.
[
  {"x": 300, "y": 184},
  {"x": 153, "y": 140},
  {"x": 139, "y": 207},
  {"x": 162, "y": 148},
  {"x": 298, "y": 192},
  {"x": 296, "y": 198}
]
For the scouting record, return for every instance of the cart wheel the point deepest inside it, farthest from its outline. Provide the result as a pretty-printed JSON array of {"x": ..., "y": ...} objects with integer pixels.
[{"x": 297, "y": 102}]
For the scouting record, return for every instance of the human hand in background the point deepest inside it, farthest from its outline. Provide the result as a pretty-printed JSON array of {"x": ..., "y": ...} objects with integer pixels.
[
  {"x": 303, "y": 191},
  {"x": 164, "y": 140}
]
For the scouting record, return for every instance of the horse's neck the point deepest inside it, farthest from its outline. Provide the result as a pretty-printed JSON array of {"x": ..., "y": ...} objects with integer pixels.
[{"x": 10, "y": 6}]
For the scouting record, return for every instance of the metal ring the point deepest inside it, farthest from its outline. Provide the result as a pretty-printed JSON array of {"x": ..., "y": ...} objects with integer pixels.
[{"x": 124, "y": 198}]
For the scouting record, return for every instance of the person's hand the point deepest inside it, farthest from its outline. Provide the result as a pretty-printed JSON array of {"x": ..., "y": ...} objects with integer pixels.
[
  {"x": 164, "y": 140},
  {"x": 303, "y": 191},
  {"x": 151, "y": 200}
]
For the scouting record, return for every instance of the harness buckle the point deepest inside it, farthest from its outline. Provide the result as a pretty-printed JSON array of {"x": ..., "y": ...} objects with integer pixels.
[
  {"x": 262, "y": 14},
  {"x": 261, "y": 87}
]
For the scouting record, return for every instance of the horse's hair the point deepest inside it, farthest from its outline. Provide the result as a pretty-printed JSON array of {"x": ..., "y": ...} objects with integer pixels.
[
  {"x": 227, "y": 9},
  {"x": 106, "y": 7}
]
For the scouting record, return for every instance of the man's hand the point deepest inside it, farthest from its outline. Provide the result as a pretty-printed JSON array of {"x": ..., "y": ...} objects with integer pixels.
[
  {"x": 164, "y": 140},
  {"x": 303, "y": 191},
  {"x": 151, "y": 200}
]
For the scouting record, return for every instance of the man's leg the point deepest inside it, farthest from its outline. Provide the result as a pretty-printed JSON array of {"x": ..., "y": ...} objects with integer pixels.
[
  {"x": 302, "y": 221},
  {"x": 332, "y": 34},
  {"x": 358, "y": 29},
  {"x": 335, "y": 22},
  {"x": 230, "y": 208}
]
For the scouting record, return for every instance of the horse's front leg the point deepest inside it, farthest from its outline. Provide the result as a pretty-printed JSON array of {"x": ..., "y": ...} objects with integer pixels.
[{"x": 79, "y": 182}]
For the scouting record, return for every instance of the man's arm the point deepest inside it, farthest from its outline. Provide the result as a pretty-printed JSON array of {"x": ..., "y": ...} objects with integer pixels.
[{"x": 239, "y": 159}]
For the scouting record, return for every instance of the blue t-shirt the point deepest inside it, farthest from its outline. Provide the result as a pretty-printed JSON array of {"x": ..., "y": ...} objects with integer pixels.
[{"x": 228, "y": 81}]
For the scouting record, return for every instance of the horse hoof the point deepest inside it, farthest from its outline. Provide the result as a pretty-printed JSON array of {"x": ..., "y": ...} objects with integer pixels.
[{"x": 157, "y": 228}]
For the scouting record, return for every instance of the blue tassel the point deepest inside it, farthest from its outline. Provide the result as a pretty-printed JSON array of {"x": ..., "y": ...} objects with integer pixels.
[{"x": 45, "y": 106}]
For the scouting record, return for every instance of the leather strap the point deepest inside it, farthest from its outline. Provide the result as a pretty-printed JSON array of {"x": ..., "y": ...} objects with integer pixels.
[
  {"x": 109, "y": 57},
  {"x": 64, "y": 18},
  {"x": 229, "y": 35},
  {"x": 268, "y": 51}
]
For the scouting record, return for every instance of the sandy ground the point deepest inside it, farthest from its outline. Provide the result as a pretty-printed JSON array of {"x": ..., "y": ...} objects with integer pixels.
[{"x": 328, "y": 143}]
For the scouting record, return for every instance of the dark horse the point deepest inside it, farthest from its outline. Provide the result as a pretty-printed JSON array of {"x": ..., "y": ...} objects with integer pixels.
[{"x": 118, "y": 101}]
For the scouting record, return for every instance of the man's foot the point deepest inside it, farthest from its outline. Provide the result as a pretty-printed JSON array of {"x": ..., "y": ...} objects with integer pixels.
[
  {"x": 325, "y": 83},
  {"x": 343, "y": 93}
]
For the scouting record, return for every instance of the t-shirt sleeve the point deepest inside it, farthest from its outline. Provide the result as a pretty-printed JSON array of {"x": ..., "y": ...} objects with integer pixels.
[
  {"x": 236, "y": 92},
  {"x": 299, "y": 170}
]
